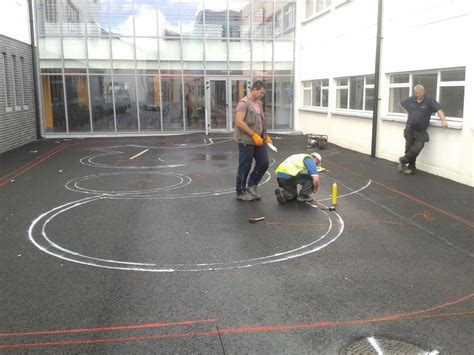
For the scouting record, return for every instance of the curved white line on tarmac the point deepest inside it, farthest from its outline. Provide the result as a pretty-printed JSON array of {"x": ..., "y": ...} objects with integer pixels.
[
  {"x": 51, "y": 248},
  {"x": 73, "y": 185},
  {"x": 88, "y": 160},
  {"x": 350, "y": 193}
]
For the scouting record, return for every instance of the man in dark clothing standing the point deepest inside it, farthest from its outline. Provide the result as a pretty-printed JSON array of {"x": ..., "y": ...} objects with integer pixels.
[{"x": 419, "y": 109}]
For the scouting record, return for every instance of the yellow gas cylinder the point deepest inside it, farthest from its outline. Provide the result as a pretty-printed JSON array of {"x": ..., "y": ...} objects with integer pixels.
[{"x": 334, "y": 194}]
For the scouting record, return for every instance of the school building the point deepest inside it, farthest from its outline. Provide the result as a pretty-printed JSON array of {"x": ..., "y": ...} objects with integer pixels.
[{"x": 101, "y": 68}]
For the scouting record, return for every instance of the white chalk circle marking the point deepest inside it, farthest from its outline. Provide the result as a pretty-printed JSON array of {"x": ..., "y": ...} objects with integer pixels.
[
  {"x": 75, "y": 184},
  {"x": 38, "y": 236}
]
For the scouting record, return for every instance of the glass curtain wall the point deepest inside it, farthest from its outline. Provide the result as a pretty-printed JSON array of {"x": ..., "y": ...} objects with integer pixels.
[{"x": 133, "y": 66}]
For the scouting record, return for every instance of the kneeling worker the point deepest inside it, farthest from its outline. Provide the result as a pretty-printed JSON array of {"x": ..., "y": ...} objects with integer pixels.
[{"x": 297, "y": 169}]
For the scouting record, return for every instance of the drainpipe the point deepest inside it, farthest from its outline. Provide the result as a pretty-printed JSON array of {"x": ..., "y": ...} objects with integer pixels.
[
  {"x": 33, "y": 61},
  {"x": 377, "y": 79}
]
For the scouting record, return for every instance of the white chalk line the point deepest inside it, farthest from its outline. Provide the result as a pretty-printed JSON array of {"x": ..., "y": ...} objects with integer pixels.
[
  {"x": 375, "y": 344},
  {"x": 137, "y": 155},
  {"x": 56, "y": 250}
]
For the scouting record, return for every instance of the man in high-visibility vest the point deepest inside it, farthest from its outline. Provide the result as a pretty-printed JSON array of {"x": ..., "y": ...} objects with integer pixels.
[{"x": 297, "y": 169}]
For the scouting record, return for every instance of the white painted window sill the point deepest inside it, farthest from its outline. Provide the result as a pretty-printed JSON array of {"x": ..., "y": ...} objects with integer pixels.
[
  {"x": 314, "y": 109},
  {"x": 360, "y": 114},
  {"x": 433, "y": 123}
]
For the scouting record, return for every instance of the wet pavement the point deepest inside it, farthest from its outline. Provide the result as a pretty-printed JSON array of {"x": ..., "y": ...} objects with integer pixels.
[{"x": 138, "y": 245}]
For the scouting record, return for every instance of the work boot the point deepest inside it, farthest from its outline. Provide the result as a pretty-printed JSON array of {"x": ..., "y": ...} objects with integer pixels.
[
  {"x": 280, "y": 196},
  {"x": 401, "y": 165},
  {"x": 304, "y": 198},
  {"x": 252, "y": 190},
  {"x": 409, "y": 170},
  {"x": 245, "y": 197}
]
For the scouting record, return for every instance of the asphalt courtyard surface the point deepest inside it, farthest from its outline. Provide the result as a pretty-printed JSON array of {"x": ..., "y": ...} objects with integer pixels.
[{"x": 138, "y": 246}]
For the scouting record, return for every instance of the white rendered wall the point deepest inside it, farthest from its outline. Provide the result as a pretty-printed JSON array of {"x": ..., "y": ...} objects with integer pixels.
[
  {"x": 417, "y": 35},
  {"x": 14, "y": 20}
]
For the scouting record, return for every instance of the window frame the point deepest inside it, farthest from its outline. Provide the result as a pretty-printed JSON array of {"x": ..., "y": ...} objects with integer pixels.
[
  {"x": 308, "y": 88},
  {"x": 327, "y": 5},
  {"x": 22, "y": 81},
  {"x": 4, "y": 74},
  {"x": 439, "y": 84},
  {"x": 14, "y": 81},
  {"x": 347, "y": 86},
  {"x": 289, "y": 20}
]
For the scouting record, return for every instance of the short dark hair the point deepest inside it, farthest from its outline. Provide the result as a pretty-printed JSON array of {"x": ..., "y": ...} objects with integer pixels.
[{"x": 258, "y": 85}]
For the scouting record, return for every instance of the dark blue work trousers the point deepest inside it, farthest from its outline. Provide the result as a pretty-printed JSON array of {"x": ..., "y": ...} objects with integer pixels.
[
  {"x": 414, "y": 142},
  {"x": 247, "y": 153}
]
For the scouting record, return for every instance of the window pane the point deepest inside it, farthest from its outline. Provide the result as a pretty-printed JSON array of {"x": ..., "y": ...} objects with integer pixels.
[
  {"x": 123, "y": 48},
  {"x": 325, "y": 97},
  {"x": 168, "y": 19},
  {"x": 309, "y": 8},
  {"x": 49, "y": 48},
  {"x": 191, "y": 11},
  {"x": 317, "y": 93},
  {"x": 98, "y": 48},
  {"x": 193, "y": 56},
  {"x": 194, "y": 102},
  {"x": 307, "y": 97},
  {"x": 121, "y": 18},
  {"x": 102, "y": 104},
  {"x": 341, "y": 98},
  {"x": 125, "y": 103},
  {"x": 283, "y": 102},
  {"x": 369, "y": 100},
  {"x": 77, "y": 103},
  {"x": 99, "y": 66},
  {"x": 429, "y": 81},
  {"x": 170, "y": 56},
  {"x": 262, "y": 58},
  {"x": 453, "y": 75},
  {"x": 289, "y": 17},
  {"x": 146, "y": 48},
  {"x": 283, "y": 57},
  {"x": 215, "y": 18},
  {"x": 149, "y": 103},
  {"x": 342, "y": 82},
  {"x": 396, "y": 95},
  {"x": 98, "y": 23},
  {"x": 452, "y": 101},
  {"x": 216, "y": 56},
  {"x": 239, "y": 17},
  {"x": 73, "y": 17},
  {"x": 326, "y": 82},
  {"x": 369, "y": 80},
  {"x": 74, "y": 48},
  {"x": 284, "y": 19},
  {"x": 357, "y": 93},
  {"x": 53, "y": 101},
  {"x": 172, "y": 103},
  {"x": 239, "y": 57},
  {"x": 145, "y": 20},
  {"x": 47, "y": 15},
  {"x": 400, "y": 78},
  {"x": 262, "y": 19}
]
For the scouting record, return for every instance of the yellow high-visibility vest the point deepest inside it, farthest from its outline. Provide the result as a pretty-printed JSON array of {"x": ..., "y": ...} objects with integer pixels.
[{"x": 293, "y": 165}]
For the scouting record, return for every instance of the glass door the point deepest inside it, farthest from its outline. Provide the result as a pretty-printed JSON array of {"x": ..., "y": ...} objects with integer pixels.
[{"x": 217, "y": 107}]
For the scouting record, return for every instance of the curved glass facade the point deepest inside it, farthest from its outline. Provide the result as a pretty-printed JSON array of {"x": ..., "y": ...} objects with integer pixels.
[{"x": 152, "y": 66}]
